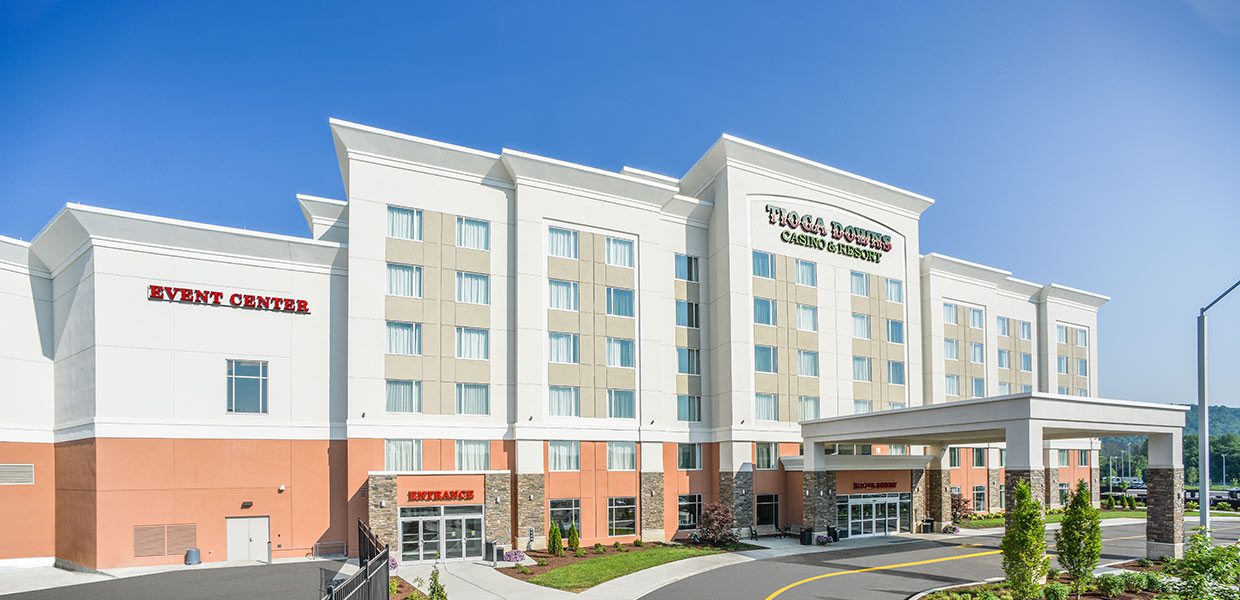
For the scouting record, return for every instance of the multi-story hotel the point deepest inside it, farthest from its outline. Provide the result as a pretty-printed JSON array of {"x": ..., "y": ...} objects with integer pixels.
[{"x": 472, "y": 346}]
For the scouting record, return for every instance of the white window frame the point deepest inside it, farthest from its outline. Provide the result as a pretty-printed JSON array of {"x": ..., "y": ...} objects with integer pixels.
[
  {"x": 772, "y": 307},
  {"x": 692, "y": 314},
  {"x": 766, "y": 415},
  {"x": 688, "y": 361},
  {"x": 807, "y": 360},
  {"x": 572, "y": 234},
  {"x": 857, "y": 320},
  {"x": 868, "y": 368},
  {"x": 263, "y": 379},
  {"x": 615, "y": 467},
  {"x": 812, "y": 312},
  {"x": 863, "y": 289},
  {"x": 460, "y": 389},
  {"x": 611, "y": 303},
  {"x": 896, "y": 286},
  {"x": 772, "y": 459},
  {"x": 572, "y": 458},
  {"x": 891, "y": 364},
  {"x": 620, "y": 243},
  {"x": 575, "y": 340},
  {"x": 461, "y": 276},
  {"x": 774, "y": 352},
  {"x": 951, "y": 316},
  {"x": 813, "y": 271},
  {"x": 769, "y": 260},
  {"x": 576, "y": 294},
  {"x": 415, "y": 275},
  {"x": 612, "y": 403},
  {"x": 486, "y": 345},
  {"x": 951, "y": 349},
  {"x": 460, "y": 221},
  {"x": 900, "y": 324},
  {"x": 692, "y": 266},
  {"x": 620, "y": 342},
  {"x": 688, "y": 405},
  {"x": 694, "y": 456},
  {"x": 417, "y": 222},
  {"x": 951, "y": 385}
]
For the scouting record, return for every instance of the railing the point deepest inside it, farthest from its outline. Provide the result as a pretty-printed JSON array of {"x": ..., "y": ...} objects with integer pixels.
[{"x": 370, "y": 582}]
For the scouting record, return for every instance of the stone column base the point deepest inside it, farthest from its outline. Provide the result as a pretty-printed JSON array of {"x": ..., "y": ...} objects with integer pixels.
[
  {"x": 383, "y": 516},
  {"x": 651, "y": 507},
  {"x": 497, "y": 506},
  {"x": 1037, "y": 487},
  {"x": 1164, "y": 527},
  {"x": 737, "y": 488},
  {"x": 1159, "y": 550},
  {"x": 531, "y": 512},
  {"x": 653, "y": 535},
  {"x": 818, "y": 509},
  {"x": 939, "y": 497}
]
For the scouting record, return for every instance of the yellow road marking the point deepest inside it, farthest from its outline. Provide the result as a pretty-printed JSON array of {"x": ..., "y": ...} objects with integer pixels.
[{"x": 879, "y": 568}]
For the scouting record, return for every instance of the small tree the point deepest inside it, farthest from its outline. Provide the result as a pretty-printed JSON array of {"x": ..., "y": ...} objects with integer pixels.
[
  {"x": 1079, "y": 539},
  {"x": 555, "y": 543},
  {"x": 435, "y": 590},
  {"x": 961, "y": 510},
  {"x": 1132, "y": 502},
  {"x": 1024, "y": 545},
  {"x": 716, "y": 524},
  {"x": 574, "y": 537},
  {"x": 1109, "y": 503}
]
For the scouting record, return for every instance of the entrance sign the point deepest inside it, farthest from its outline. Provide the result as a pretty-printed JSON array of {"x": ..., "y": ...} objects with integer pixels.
[
  {"x": 874, "y": 485},
  {"x": 236, "y": 300},
  {"x": 836, "y": 238},
  {"x": 440, "y": 495}
]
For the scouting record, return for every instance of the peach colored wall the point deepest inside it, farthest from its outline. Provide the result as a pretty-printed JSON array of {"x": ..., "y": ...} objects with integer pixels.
[
  {"x": 76, "y": 502},
  {"x": 365, "y": 455},
  {"x": 28, "y": 518},
  {"x": 966, "y": 476},
  {"x": 407, "y": 483},
  {"x": 593, "y": 484},
  {"x": 704, "y": 481},
  {"x": 792, "y": 503},
  {"x": 845, "y": 481}
]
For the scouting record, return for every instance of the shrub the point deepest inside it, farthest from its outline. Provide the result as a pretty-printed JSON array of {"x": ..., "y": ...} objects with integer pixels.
[
  {"x": 1145, "y": 563},
  {"x": 555, "y": 542},
  {"x": 1132, "y": 503},
  {"x": 1223, "y": 506},
  {"x": 1056, "y": 591},
  {"x": 579, "y": 552},
  {"x": 435, "y": 590},
  {"x": 1206, "y": 568},
  {"x": 598, "y": 549},
  {"x": 515, "y": 556},
  {"x": 574, "y": 538},
  {"x": 1109, "y": 585},
  {"x": 524, "y": 570},
  {"x": 1109, "y": 503},
  {"x": 1191, "y": 505},
  {"x": 638, "y": 542},
  {"x": 715, "y": 525},
  {"x": 1133, "y": 581},
  {"x": 961, "y": 510},
  {"x": 542, "y": 562},
  {"x": 393, "y": 585},
  {"x": 1024, "y": 545},
  {"x": 1052, "y": 574},
  {"x": 1154, "y": 582},
  {"x": 1078, "y": 541}
]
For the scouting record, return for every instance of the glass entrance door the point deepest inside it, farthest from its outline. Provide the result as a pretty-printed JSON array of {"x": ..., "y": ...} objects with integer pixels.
[
  {"x": 430, "y": 533},
  {"x": 873, "y": 516}
]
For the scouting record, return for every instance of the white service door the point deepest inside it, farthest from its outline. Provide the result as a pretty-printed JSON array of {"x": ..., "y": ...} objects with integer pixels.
[{"x": 247, "y": 538}]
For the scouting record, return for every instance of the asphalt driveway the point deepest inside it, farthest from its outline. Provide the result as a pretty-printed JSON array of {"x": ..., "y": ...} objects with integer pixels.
[{"x": 285, "y": 581}]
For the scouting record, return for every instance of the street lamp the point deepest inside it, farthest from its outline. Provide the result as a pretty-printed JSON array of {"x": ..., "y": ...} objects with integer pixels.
[{"x": 1203, "y": 411}]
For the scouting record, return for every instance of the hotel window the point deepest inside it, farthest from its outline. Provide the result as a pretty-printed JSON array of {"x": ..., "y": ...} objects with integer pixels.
[
  {"x": 861, "y": 326},
  {"x": 688, "y": 408},
  {"x": 621, "y": 456},
  {"x": 1003, "y": 325},
  {"x": 404, "y": 338},
  {"x": 404, "y": 223},
  {"x": 979, "y": 387},
  {"x": 895, "y": 372},
  {"x": 807, "y": 363},
  {"x": 949, "y": 314},
  {"x": 473, "y": 399},
  {"x": 895, "y": 331},
  {"x": 979, "y": 457},
  {"x": 620, "y": 252},
  {"x": 807, "y": 317},
  {"x": 622, "y": 404},
  {"x": 688, "y": 457},
  {"x": 763, "y": 311},
  {"x": 688, "y": 510},
  {"x": 1026, "y": 388},
  {"x": 686, "y": 267},
  {"x": 899, "y": 449},
  {"x": 951, "y": 384},
  {"x": 860, "y": 283},
  {"x": 404, "y": 396},
  {"x": 1064, "y": 494},
  {"x": 1082, "y": 392},
  {"x": 764, "y": 359},
  {"x": 404, "y": 280},
  {"x": 1002, "y": 495},
  {"x": 979, "y": 498},
  {"x": 473, "y": 344},
  {"x": 562, "y": 295},
  {"x": 1002, "y": 458},
  {"x": 976, "y": 318},
  {"x": 1082, "y": 458},
  {"x": 861, "y": 407},
  {"x": 247, "y": 386},
  {"x": 562, "y": 242},
  {"x": 766, "y": 407},
  {"x": 1005, "y": 359},
  {"x": 621, "y": 516},
  {"x": 687, "y": 314},
  {"x": 620, "y": 353},
  {"x": 1005, "y": 388},
  {"x": 566, "y": 512},
  {"x": 564, "y": 348},
  {"x": 1061, "y": 332},
  {"x": 895, "y": 291},
  {"x": 473, "y": 233},
  {"x": 809, "y": 408},
  {"x": 955, "y": 490},
  {"x": 977, "y": 353},
  {"x": 1082, "y": 367},
  {"x": 807, "y": 273},
  {"x": 1063, "y": 390},
  {"x": 766, "y": 455},
  {"x": 895, "y": 405},
  {"x": 473, "y": 455},
  {"x": 1026, "y": 361},
  {"x": 564, "y": 401},
  {"x": 688, "y": 361},
  {"x": 473, "y": 288},
  {"x": 951, "y": 349},
  {"x": 862, "y": 369},
  {"x": 563, "y": 455},
  {"x": 1063, "y": 458},
  {"x": 1026, "y": 330},
  {"x": 1062, "y": 365},
  {"x": 767, "y": 513},
  {"x": 619, "y": 302},
  {"x": 402, "y": 455},
  {"x": 1082, "y": 337},
  {"x": 953, "y": 457},
  {"x": 763, "y": 265}
]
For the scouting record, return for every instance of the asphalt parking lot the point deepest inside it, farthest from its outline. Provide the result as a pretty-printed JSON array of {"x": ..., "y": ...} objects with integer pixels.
[{"x": 285, "y": 581}]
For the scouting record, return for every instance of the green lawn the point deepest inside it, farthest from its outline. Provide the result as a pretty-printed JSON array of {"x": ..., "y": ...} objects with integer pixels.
[
  {"x": 1055, "y": 518},
  {"x": 591, "y": 572},
  {"x": 1213, "y": 513}
]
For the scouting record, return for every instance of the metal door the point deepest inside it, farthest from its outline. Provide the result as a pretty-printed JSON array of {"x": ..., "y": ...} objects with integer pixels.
[{"x": 247, "y": 538}]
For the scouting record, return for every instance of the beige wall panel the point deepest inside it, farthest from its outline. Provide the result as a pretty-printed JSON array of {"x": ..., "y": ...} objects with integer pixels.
[
  {"x": 689, "y": 384},
  {"x": 472, "y": 371},
  {"x": 625, "y": 379},
  {"x": 563, "y": 320},
  {"x": 404, "y": 309},
  {"x": 563, "y": 268},
  {"x": 472, "y": 315},
  {"x": 766, "y": 383},
  {"x": 405, "y": 251},
  {"x": 476, "y": 261},
  {"x": 560, "y": 374},
  {"x": 764, "y": 335},
  {"x": 763, "y": 287},
  {"x": 403, "y": 367}
]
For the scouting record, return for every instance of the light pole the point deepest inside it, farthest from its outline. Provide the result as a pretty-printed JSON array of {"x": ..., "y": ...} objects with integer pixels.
[
  {"x": 1203, "y": 411},
  {"x": 1111, "y": 475}
]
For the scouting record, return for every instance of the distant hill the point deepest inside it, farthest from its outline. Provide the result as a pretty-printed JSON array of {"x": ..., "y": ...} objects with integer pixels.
[{"x": 1223, "y": 420}]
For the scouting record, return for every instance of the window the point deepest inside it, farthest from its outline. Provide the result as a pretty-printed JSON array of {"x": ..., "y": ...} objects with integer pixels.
[
  {"x": 862, "y": 369},
  {"x": 473, "y": 288},
  {"x": 899, "y": 449},
  {"x": 688, "y": 408},
  {"x": 1082, "y": 337},
  {"x": 402, "y": 455},
  {"x": 686, "y": 267},
  {"x": 951, "y": 385},
  {"x": 404, "y": 223},
  {"x": 953, "y": 457},
  {"x": 1005, "y": 388},
  {"x": 807, "y": 273},
  {"x": 564, "y": 401},
  {"x": 688, "y": 510},
  {"x": 859, "y": 283},
  {"x": 1082, "y": 392},
  {"x": 1002, "y": 495},
  {"x": 473, "y": 399},
  {"x": 767, "y": 455},
  {"x": 807, "y": 317},
  {"x": 473, "y": 455},
  {"x": 1002, "y": 325},
  {"x": 766, "y": 407},
  {"x": 562, "y": 295},
  {"x": 1062, "y": 364},
  {"x": 979, "y": 457},
  {"x": 1082, "y": 367},
  {"x": 619, "y": 302},
  {"x": 564, "y": 348},
  {"x": 949, "y": 314},
  {"x": 979, "y": 498},
  {"x": 687, "y": 314},
  {"x": 895, "y": 331},
  {"x": 1063, "y": 457},
  {"x": 621, "y": 516},
  {"x": 622, "y": 404},
  {"x": 978, "y": 386},
  {"x": 563, "y": 455},
  {"x": 1082, "y": 458},
  {"x": 404, "y": 338},
  {"x": 951, "y": 349},
  {"x": 1064, "y": 495},
  {"x": 763, "y": 311},
  {"x": 807, "y": 363},
  {"x": 767, "y": 510},
  {"x": 1026, "y": 330},
  {"x": 861, "y": 326},
  {"x": 1061, "y": 333},
  {"x": 1026, "y": 388},
  {"x": 955, "y": 490},
  {"x": 764, "y": 359},
  {"x": 977, "y": 353},
  {"x": 562, "y": 242},
  {"x": 620, "y": 252},
  {"x": 895, "y": 291},
  {"x": 763, "y": 265},
  {"x": 404, "y": 396},
  {"x": 247, "y": 386},
  {"x": 1063, "y": 390},
  {"x": 472, "y": 344},
  {"x": 621, "y": 456},
  {"x": 1005, "y": 359},
  {"x": 473, "y": 233},
  {"x": 1026, "y": 361},
  {"x": 404, "y": 280},
  {"x": 688, "y": 457},
  {"x": 809, "y": 408},
  {"x": 895, "y": 372},
  {"x": 1002, "y": 457},
  {"x": 976, "y": 318},
  {"x": 620, "y": 353},
  {"x": 566, "y": 513},
  {"x": 861, "y": 407},
  {"x": 688, "y": 361}
]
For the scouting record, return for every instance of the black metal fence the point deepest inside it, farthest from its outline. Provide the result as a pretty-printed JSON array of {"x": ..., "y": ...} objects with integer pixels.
[{"x": 370, "y": 582}]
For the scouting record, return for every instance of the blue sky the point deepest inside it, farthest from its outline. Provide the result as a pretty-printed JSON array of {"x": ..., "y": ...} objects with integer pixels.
[{"x": 1093, "y": 144}]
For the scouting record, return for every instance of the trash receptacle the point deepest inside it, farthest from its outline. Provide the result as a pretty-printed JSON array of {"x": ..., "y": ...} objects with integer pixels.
[
  {"x": 927, "y": 526},
  {"x": 807, "y": 537},
  {"x": 833, "y": 534},
  {"x": 192, "y": 556}
]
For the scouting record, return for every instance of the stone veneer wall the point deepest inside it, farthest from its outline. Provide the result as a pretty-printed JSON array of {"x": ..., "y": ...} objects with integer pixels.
[
  {"x": 1050, "y": 497},
  {"x": 992, "y": 490},
  {"x": 651, "y": 506},
  {"x": 918, "y": 479},
  {"x": 818, "y": 511},
  {"x": 737, "y": 488},
  {"x": 1095, "y": 486},
  {"x": 939, "y": 496},
  {"x": 497, "y": 508},
  {"x": 531, "y": 498},
  {"x": 383, "y": 521},
  {"x": 1037, "y": 486},
  {"x": 1165, "y": 504}
]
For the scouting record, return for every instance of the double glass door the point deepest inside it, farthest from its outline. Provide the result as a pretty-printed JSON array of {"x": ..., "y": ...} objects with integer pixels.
[
  {"x": 873, "y": 516},
  {"x": 429, "y": 533}
]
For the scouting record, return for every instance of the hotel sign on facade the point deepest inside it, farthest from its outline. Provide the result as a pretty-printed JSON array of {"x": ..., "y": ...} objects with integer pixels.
[{"x": 833, "y": 237}]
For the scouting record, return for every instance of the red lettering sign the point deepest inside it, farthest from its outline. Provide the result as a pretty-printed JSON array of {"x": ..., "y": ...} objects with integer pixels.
[
  {"x": 440, "y": 495},
  {"x": 250, "y": 301},
  {"x": 873, "y": 485}
]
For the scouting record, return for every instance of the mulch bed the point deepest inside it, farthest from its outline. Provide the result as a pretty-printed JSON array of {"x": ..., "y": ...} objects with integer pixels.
[
  {"x": 1135, "y": 565},
  {"x": 1064, "y": 579},
  {"x": 555, "y": 562},
  {"x": 406, "y": 590}
]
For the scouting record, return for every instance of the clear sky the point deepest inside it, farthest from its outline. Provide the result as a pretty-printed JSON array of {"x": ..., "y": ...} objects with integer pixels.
[{"x": 1092, "y": 144}]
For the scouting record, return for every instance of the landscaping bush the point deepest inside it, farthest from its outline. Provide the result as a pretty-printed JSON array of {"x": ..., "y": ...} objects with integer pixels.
[
  {"x": 515, "y": 556},
  {"x": 638, "y": 542},
  {"x": 1052, "y": 574},
  {"x": 1191, "y": 505},
  {"x": 524, "y": 570},
  {"x": 1132, "y": 502},
  {"x": 574, "y": 538},
  {"x": 1109, "y": 503},
  {"x": 961, "y": 510},
  {"x": 579, "y": 552},
  {"x": 1109, "y": 585},
  {"x": 542, "y": 562},
  {"x": 1078, "y": 541},
  {"x": 1207, "y": 571},
  {"x": 1154, "y": 582},
  {"x": 555, "y": 542},
  {"x": 715, "y": 525},
  {"x": 1024, "y": 545},
  {"x": 1133, "y": 582},
  {"x": 1223, "y": 506},
  {"x": 434, "y": 589},
  {"x": 393, "y": 586},
  {"x": 1056, "y": 591},
  {"x": 598, "y": 549}
]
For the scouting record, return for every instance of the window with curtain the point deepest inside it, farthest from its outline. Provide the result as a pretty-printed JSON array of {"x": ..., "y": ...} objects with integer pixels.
[
  {"x": 621, "y": 456},
  {"x": 404, "y": 338},
  {"x": 473, "y": 344},
  {"x": 1026, "y": 330},
  {"x": 949, "y": 314},
  {"x": 979, "y": 457},
  {"x": 687, "y": 314},
  {"x": 1026, "y": 388},
  {"x": 899, "y": 449},
  {"x": 1082, "y": 337},
  {"x": 807, "y": 273},
  {"x": 1082, "y": 392},
  {"x": 951, "y": 349},
  {"x": 953, "y": 461},
  {"x": 402, "y": 455},
  {"x": 473, "y": 455},
  {"x": 473, "y": 233},
  {"x": 564, "y": 348},
  {"x": 976, "y": 318},
  {"x": 564, "y": 401},
  {"x": 563, "y": 455},
  {"x": 1082, "y": 458},
  {"x": 620, "y": 353},
  {"x": 764, "y": 359},
  {"x": 862, "y": 369},
  {"x": 979, "y": 498},
  {"x": 404, "y": 280},
  {"x": 619, "y": 302},
  {"x": 952, "y": 385},
  {"x": 895, "y": 405},
  {"x": 1082, "y": 367},
  {"x": 404, "y": 396},
  {"x": 688, "y": 361},
  {"x": 1005, "y": 359},
  {"x": 562, "y": 295},
  {"x": 688, "y": 457},
  {"x": 861, "y": 407},
  {"x": 688, "y": 408},
  {"x": 861, "y": 326},
  {"x": 979, "y": 387},
  {"x": 895, "y": 331},
  {"x": 895, "y": 291},
  {"x": 1026, "y": 361},
  {"x": 688, "y": 511},
  {"x": 247, "y": 386},
  {"x": 404, "y": 223},
  {"x": 895, "y": 372},
  {"x": 1005, "y": 388},
  {"x": 620, "y": 252},
  {"x": 763, "y": 264},
  {"x": 763, "y": 311},
  {"x": 473, "y": 288},
  {"x": 622, "y": 404},
  {"x": 767, "y": 456},
  {"x": 686, "y": 267},
  {"x": 1002, "y": 325},
  {"x": 807, "y": 317},
  {"x": 473, "y": 399},
  {"x": 977, "y": 353},
  {"x": 1063, "y": 390},
  {"x": 1061, "y": 333},
  {"x": 1062, "y": 364},
  {"x": 766, "y": 407},
  {"x": 807, "y": 363},
  {"x": 621, "y": 516},
  {"x": 562, "y": 242},
  {"x": 809, "y": 408},
  {"x": 859, "y": 283}
]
